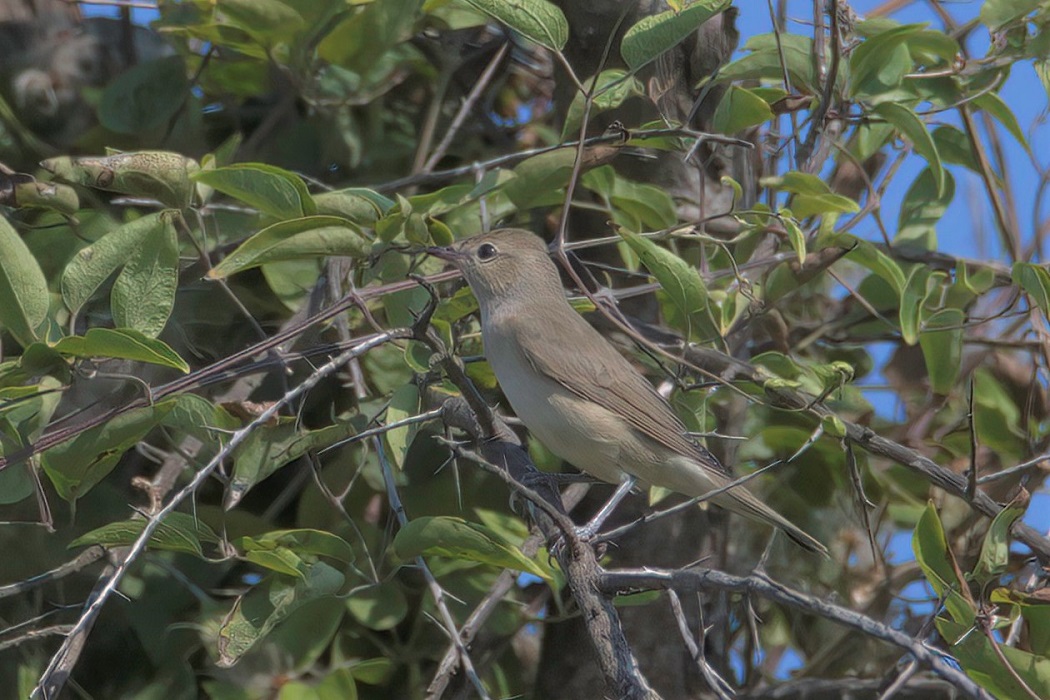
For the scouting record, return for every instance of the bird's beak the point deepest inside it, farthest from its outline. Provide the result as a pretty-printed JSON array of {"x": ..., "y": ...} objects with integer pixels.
[{"x": 446, "y": 253}]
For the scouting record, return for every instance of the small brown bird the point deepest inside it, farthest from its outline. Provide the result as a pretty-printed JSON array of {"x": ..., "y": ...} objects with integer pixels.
[{"x": 574, "y": 391}]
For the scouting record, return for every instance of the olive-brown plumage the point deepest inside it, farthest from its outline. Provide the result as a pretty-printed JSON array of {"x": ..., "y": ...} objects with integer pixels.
[{"x": 574, "y": 391}]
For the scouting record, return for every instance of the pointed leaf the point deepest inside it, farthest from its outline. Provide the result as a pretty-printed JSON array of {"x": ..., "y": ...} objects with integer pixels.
[
  {"x": 914, "y": 129},
  {"x": 537, "y": 20},
  {"x": 257, "y": 612},
  {"x": 307, "y": 237},
  {"x": 458, "y": 539},
  {"x": 74, "y": 467},
  {"x": 941, "y": 341},
  {"x": 655, "y": 34},
  {"x": 24, "y": 299},
  {"x": 91, "y": 266},
  {"x": 144, "y": 293},
  {"x": 269, "y": 189},
  {"x": 122, "y": 343},
  {"x": 178, "y": 532}
]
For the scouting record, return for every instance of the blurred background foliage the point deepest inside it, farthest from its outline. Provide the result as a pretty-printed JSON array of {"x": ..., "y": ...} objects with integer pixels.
[{"x": 220, "y": 173}]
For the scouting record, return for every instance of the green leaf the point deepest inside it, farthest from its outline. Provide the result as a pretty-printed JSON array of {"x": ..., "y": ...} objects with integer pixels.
[
  {"x": 812, "y": 195},
  {"x": 611, "y": 89},
  {"x": 91, "y": 266},
  {"x": 145, "y": 97},
  {"x": 941, "y": 341},
  {"x": 655, "y": 34},
  {"x": 880, "y": 62},
  {"x": 162, "y": 175},
  {"x": 381, "y": 607},
  {"x": 124, "y": 344},
  {"x": 258, "y": 611},
  {"x": 955, "y": 148},
  {"x": 356, "y": 42},
  {"x": 796, "y": 237},
  {"x": 307, "y": 237},
  {"x": 912, "y": 299},
  {"x": 995, "y": 550},
  {"x": 739, "y": 109},
  {"x": 640, "y": 205},
  {"x": 537, "y": 20},
  {"x": 682, "y": 283},
  {"x": 404, "y": 402},
  {"x": 178, "y": 532},
  {"x": 983, "y": 662},
  {"x": 996, "y": 14},
  {"x": 771, "y": 55},
  {"x": 293, "y": 552},
  {"x": 337, "y": 685},
  {"x": 935, "y": 559},
  {"x": 360, "y": 205},
  {"x": 538, "y": 180},
  {"x": 24, "y": 299},
  {"x": 867, "y": 255},
  {"x": 144, "y": 293},
  {"x": 270, "y": 447},
  {"x": 458, "y": 539},
  {"x": 24, "y": 413},
  {"x": 914, "y": 129},
  {"x": 269, "y": 189},
  {"x": 922, "y": 208},
  {"x": 994, "y": 105},
  {"x": 373, "y": 671},
  {"x": 1035, "y": 281},
  {"x": 74, "y": 467},
  {"x": 268, "y": 21}
]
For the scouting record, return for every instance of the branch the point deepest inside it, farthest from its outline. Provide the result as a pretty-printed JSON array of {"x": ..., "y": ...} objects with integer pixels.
[
  {"x": 61, "y": 665},
  {"x": 699, "y": 580}
]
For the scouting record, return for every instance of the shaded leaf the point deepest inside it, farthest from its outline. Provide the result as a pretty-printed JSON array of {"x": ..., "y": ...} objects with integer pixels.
[
  {"x": 941, "y": 341},
  {"x": 74, "y": 467},
  {"x": 178, "y": 532},
  {"x": 270, "y": 447},
  {"x": 1035, "y": 281},
  {"x": 258, "y": 611},
  {"x": 380, "y": 607},
  {"x": 458, "y": 539},
  {"x": 931, "y": 551},
  {"x": 144, "y": 97},
  {"x": 24, "y": 299}
]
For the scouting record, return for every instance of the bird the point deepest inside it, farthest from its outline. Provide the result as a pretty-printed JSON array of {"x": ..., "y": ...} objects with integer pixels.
[{"x": 576, "y": 393}]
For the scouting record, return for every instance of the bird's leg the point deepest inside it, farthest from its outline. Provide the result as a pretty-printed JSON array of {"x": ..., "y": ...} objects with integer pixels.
[{"x": 591, "y": 528}]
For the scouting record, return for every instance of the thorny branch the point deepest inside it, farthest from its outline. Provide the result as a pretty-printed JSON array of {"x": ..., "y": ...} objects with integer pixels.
[
  {"x": 62, "y": 662},
  {"x": 758, "y": 583}
]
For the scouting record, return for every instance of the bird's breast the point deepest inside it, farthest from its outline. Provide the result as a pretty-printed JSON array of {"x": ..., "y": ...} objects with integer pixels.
[{"x": 579, "y": 431}]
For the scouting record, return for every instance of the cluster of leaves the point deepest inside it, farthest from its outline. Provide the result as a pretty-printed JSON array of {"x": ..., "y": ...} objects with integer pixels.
[{"x": 194, "y": 255}]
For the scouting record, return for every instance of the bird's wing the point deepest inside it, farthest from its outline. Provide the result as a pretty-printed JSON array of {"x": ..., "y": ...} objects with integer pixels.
[{"x": 610, "y": 381}]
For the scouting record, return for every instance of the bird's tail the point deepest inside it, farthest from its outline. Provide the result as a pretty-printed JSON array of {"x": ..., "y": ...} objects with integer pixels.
[{"x": 740, "y": 500}]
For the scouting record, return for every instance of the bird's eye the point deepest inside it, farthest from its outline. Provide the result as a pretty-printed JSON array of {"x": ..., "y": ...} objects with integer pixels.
[{"x": 486, "y": 251}]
